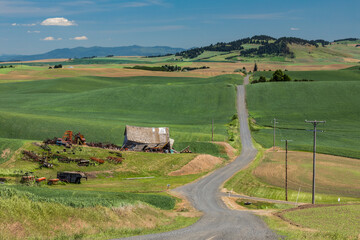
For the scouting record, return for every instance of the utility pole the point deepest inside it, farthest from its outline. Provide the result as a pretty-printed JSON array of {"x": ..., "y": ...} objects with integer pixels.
[
  {"x": 286, "y": 175},
  {"x": 212, "y": 130},
  {"x": 275, "y": 122},
  {"x": 315, "y": 123}
]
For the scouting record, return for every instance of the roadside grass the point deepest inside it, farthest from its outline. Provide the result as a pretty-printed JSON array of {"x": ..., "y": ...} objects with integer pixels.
[
  {"x": 342, "y": 220},
  {"x": 334, "y": 175},
  {"x": 291, "y": 232},
  {"x": 22, "y": 218},
  {"x": 100, "y": 107},
  {"x": 261, "y": 205},
  {"x": 292, "y": 103},
  {"x": 245, "y": 182},
  {"x": 332, "y": 222},
  {"x": 82, "y": 199}
]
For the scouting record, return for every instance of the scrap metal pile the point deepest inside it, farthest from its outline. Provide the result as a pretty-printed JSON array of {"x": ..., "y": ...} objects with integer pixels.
[
  {"x": 104, "y": 145},
  {"x": 71, "y": 143},
  {"x": 66, "y": 177}
]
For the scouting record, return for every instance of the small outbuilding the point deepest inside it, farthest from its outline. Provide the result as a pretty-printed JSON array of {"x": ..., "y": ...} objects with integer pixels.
[{"x": 147, "y": 139}]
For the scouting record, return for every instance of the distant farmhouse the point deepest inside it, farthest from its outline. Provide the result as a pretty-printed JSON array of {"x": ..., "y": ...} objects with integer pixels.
[{"x": 147, "y": 139}]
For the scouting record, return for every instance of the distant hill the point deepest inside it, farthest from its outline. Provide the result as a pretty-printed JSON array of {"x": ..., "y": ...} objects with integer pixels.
[
  {"x": 81, "y": 52},
  {"x": 267, "y": 46}
]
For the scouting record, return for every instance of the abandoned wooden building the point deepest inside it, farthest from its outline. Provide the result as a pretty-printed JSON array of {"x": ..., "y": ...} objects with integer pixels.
[{"x": 147, "y": 138}]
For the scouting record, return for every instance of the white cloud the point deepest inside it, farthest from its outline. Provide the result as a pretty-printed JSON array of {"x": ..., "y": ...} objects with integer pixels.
[
  {"x": 294, "y": 29},
  {"x": 261, "y": 16},
  {"x": 51, "y": 39},
  {"x": 59, "y": 21},
  {"x": 33, "y": 31},
  {"x": 79, "y": 38},
  {"x": 24, "y": 24}
]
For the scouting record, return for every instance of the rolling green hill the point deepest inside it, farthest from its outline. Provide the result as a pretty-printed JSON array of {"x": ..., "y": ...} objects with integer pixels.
[
  {"x": 293, "y": 102},
  {"x": 351, "y": 74},
  {"x": 100, "y": 107}
]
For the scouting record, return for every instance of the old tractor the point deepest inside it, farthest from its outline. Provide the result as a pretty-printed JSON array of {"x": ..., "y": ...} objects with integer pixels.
[{"x": 68, "y": 139}]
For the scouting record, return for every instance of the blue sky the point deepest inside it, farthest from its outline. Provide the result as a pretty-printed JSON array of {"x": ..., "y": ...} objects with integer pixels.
[{"x": 29, "y": 27}]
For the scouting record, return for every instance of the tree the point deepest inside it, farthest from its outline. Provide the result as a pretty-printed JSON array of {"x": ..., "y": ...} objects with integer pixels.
[
  {"x": 255, "y": 67},
  {"x": 287, "y": 78},
  {"x": 278, "y": 76},
  {"x": 262, "y": 79}
]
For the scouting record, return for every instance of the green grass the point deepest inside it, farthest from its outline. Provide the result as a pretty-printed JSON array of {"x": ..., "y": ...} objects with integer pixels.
[
  {"x": 289, "y": 232},
  {"x": 261, "y": 205},
  {"x": 81, "y": 199},
  {"x": 100, "y": 107},
  {"x": 342, "y": 221},
  {"x": 246, "y": 183},
  {"x": 113, "y": 177},
  {"x": 352, "y": 74},
  {"x": 207, "y": 55},
  {"x": 8, "y": 148},
  {"x": 202, "y": 147},
  {"x": 292, "y": 103},
  {"x": 22, "y": 218}
]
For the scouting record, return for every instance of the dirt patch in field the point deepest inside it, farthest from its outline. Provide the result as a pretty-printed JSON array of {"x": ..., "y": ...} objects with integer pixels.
[
  {"x": 201, "y": 163},
  {"x": 39, "y": 61},
  {"x": 6, "y": 153},
  {"x": 351, "y": 60},
  {"x": 230, "y": 151},
  {"x": 11, "y": 162}
]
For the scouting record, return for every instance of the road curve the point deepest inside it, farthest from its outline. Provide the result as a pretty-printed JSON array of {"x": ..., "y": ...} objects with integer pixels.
[{"x": 219, "y": 222}]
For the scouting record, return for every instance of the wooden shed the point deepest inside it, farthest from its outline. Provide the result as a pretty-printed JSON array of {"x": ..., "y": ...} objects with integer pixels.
[{"x": 146, "y": 138}]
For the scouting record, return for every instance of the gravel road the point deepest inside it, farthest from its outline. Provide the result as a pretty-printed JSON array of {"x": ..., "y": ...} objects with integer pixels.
[{"x": 219, "y": 222}]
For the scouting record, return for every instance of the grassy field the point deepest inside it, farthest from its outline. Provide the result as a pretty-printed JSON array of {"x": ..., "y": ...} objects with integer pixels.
[
  {"x": 100, "y": 107},
  {"x": 8, "y": 148},
  {"x": 332, "y": 222},
  {"x": 245, "y": 182},
  {"x": 291, "y": 103},
  {"x": 335, "y": 175},
  {"x": 25, "y": 214},
  {"x": 351, "y": 74},
  {"x": 152, "y": 169}
]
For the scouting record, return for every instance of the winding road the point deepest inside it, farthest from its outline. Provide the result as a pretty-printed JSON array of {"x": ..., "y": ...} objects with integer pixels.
[{"x": 218, "y": 221}]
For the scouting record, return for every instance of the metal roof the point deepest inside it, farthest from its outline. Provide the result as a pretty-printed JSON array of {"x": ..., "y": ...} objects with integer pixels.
[{"x": 148, "y": 135}]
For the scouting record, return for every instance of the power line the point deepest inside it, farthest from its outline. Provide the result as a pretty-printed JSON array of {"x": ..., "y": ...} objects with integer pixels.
[{"x": 315, "y": 123}]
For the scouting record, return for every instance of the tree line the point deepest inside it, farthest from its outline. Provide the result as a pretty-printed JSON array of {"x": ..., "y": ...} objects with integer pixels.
[
  {"x": 226, "y": 47},
  {"x": 269, "y": 46}
]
